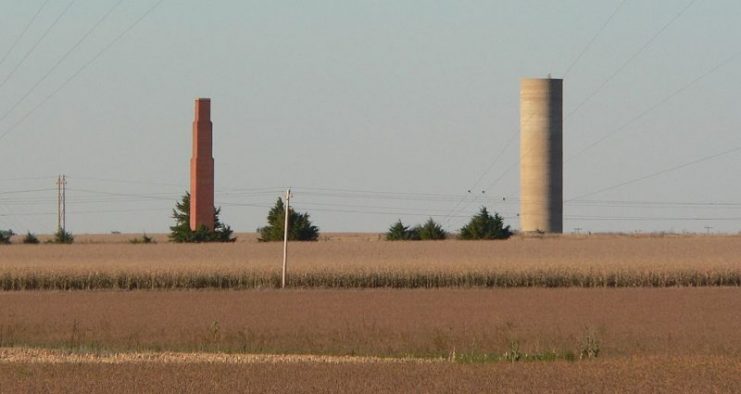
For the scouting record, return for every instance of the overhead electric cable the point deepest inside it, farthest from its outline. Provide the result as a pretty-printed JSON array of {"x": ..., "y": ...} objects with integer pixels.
[
  {"x": 655, "y": 106},
  {"x": 594, "y": 38},
  {"x": 25, "y": 30},
  {"x": 661, "y": 172},
  {"x": 632, "y": 57},
  {"x": 82, "y": 68},
  {"x": 36, "y": 44},
  {"x": 62, "y": 59}
]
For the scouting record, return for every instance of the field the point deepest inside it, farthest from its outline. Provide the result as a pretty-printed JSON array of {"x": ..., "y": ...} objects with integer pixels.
[
  {"x": 359, "y": 262},
  {"x": 604, "y": 313}
]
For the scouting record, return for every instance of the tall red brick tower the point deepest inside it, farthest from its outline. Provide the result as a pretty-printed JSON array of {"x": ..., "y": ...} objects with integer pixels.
[{"x": 202, "y": 168}]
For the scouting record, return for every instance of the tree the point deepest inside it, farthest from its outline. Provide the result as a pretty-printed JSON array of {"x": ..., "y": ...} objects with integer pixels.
[
  {"x": 399, "y": 232},
  {"x": 63, "y": 237},
  {"x": 5, "y": 236},
  {"x": 300, "y": 227},
  {"x": 430, "y": 231},
  {"x": 181, "y": 231},
  {"x": 30, "y": 238},
  {"x": 485, "y": 226}
]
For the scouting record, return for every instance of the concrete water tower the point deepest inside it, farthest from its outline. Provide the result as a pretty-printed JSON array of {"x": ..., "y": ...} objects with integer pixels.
[{"x": 541, "y": 155}]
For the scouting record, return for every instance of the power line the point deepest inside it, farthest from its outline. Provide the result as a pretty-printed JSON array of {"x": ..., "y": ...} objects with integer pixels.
[
  {"x": 658, "y": 104},
  {"x": 632, "y": 57},
  {"x": 594, "y": 38},
  {"x": 455, "y": 209},
  {"x": 156, "y": 196},
  {"x": 661, "y": 172},
  {"x": 112, "y": 180},
  {"x": 62, "y": 59},
  {"x": 82, "y": 68},
  {"x": 23, "y": 33},
  {"x": 26, "y": 191},
  {"x": 652, "y": 218},
  {"x": 36, "y": 44}
]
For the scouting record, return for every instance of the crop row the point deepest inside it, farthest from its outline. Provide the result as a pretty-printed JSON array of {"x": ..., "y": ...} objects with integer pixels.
[{"x": 28, "y": 280}]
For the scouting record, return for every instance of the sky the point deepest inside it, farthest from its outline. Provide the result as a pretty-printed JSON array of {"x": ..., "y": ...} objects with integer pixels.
[{"x": 371, "y": 111}]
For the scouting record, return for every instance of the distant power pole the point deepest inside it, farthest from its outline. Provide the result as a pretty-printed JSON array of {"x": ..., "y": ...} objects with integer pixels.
[
  {"x": 285, "y": 238},
  {"x": 61, "y": 203},
  {"x": 708, "y": 228}
]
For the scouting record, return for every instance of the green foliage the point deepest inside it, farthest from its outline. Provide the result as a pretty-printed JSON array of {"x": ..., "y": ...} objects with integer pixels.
[
  {"x": 430, "y": 231},
  {"x": 30, "y": 239},
  {"x": 63, "y": 237},
  {"x": 485, "y": 226},
  {"x": 181, "y": 231},
  {"x": 399, "y": 232},
  {"x": 300, "y": 227},
  {"x": 5, "y": 236},
  {"x": 145, "y": 239}
]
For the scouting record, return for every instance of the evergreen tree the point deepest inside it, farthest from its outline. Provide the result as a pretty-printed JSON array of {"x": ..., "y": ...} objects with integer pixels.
[
  {"x": 30, "y": 238},
  {"x": 485, "y": 226},
  {"x": 300, "y": 227},
  {"x": 63, "y": 237},
  {"x": 430, "y": 231},
  {"x": 5, "y": 236},
  {"x": 181, "y": 231},
  {"x": 399, "y": 232}
]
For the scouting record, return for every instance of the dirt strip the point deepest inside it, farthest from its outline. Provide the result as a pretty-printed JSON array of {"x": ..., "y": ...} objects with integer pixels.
[{"x": 47, "y": 356}]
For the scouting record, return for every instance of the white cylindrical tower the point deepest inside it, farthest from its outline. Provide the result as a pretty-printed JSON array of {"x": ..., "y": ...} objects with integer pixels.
[{"x": 541, "y": 155}]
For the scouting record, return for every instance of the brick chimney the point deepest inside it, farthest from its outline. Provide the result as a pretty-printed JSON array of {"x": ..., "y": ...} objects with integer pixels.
[{"x": 202, "y": 168}]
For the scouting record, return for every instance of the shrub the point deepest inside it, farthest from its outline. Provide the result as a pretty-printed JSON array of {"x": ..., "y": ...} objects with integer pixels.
[
  {"x": 181, "y": 231},
  {"x": 399, "y": 232},
  {"x": 63, "y": 237},
  {"x": 300, "y": 227},
  {"x": 430, "y": 231},
  {"x": 485, "y": 226},
  {"x": 5, "y": 236},
  {"x": 30, "y": 239},
  {"x": 145, "y": 239}
]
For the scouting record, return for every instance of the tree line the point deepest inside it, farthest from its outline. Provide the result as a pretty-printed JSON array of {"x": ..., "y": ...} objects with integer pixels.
[{"x": 300, "y": 228}]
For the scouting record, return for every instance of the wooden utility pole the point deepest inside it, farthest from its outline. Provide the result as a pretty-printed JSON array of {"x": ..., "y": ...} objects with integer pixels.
[
  {"x": 61, "y": 203},
  {"x": 285, "y": 238}
]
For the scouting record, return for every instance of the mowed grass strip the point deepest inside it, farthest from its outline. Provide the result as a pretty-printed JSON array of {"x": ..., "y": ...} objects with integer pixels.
[
  {"x": 519, "y": 262},
  {"x": 24, "y": 355}
]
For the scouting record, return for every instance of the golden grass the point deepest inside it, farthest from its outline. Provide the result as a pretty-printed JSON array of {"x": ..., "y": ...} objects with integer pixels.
[{"x": 357, "y": 262}]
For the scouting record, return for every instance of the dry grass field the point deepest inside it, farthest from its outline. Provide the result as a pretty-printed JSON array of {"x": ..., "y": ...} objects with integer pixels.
[
  {"x": 574, "y": 314},
  {"x": 396, "y": 323},
  {"x": 354, "y": 261},
  {"x": 676, "y": 339},
  {"x": 648, "y": 374}
]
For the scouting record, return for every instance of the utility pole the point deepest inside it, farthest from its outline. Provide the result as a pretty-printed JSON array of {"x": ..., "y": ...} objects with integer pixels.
[
  {"x": 285, "y": 238},
  {"x": 61, "y": 203},
  {"x": 708, "y": 228}
]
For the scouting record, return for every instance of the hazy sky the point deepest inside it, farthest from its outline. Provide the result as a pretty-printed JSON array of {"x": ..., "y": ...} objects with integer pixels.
[{"x": 371, "y": 110}]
